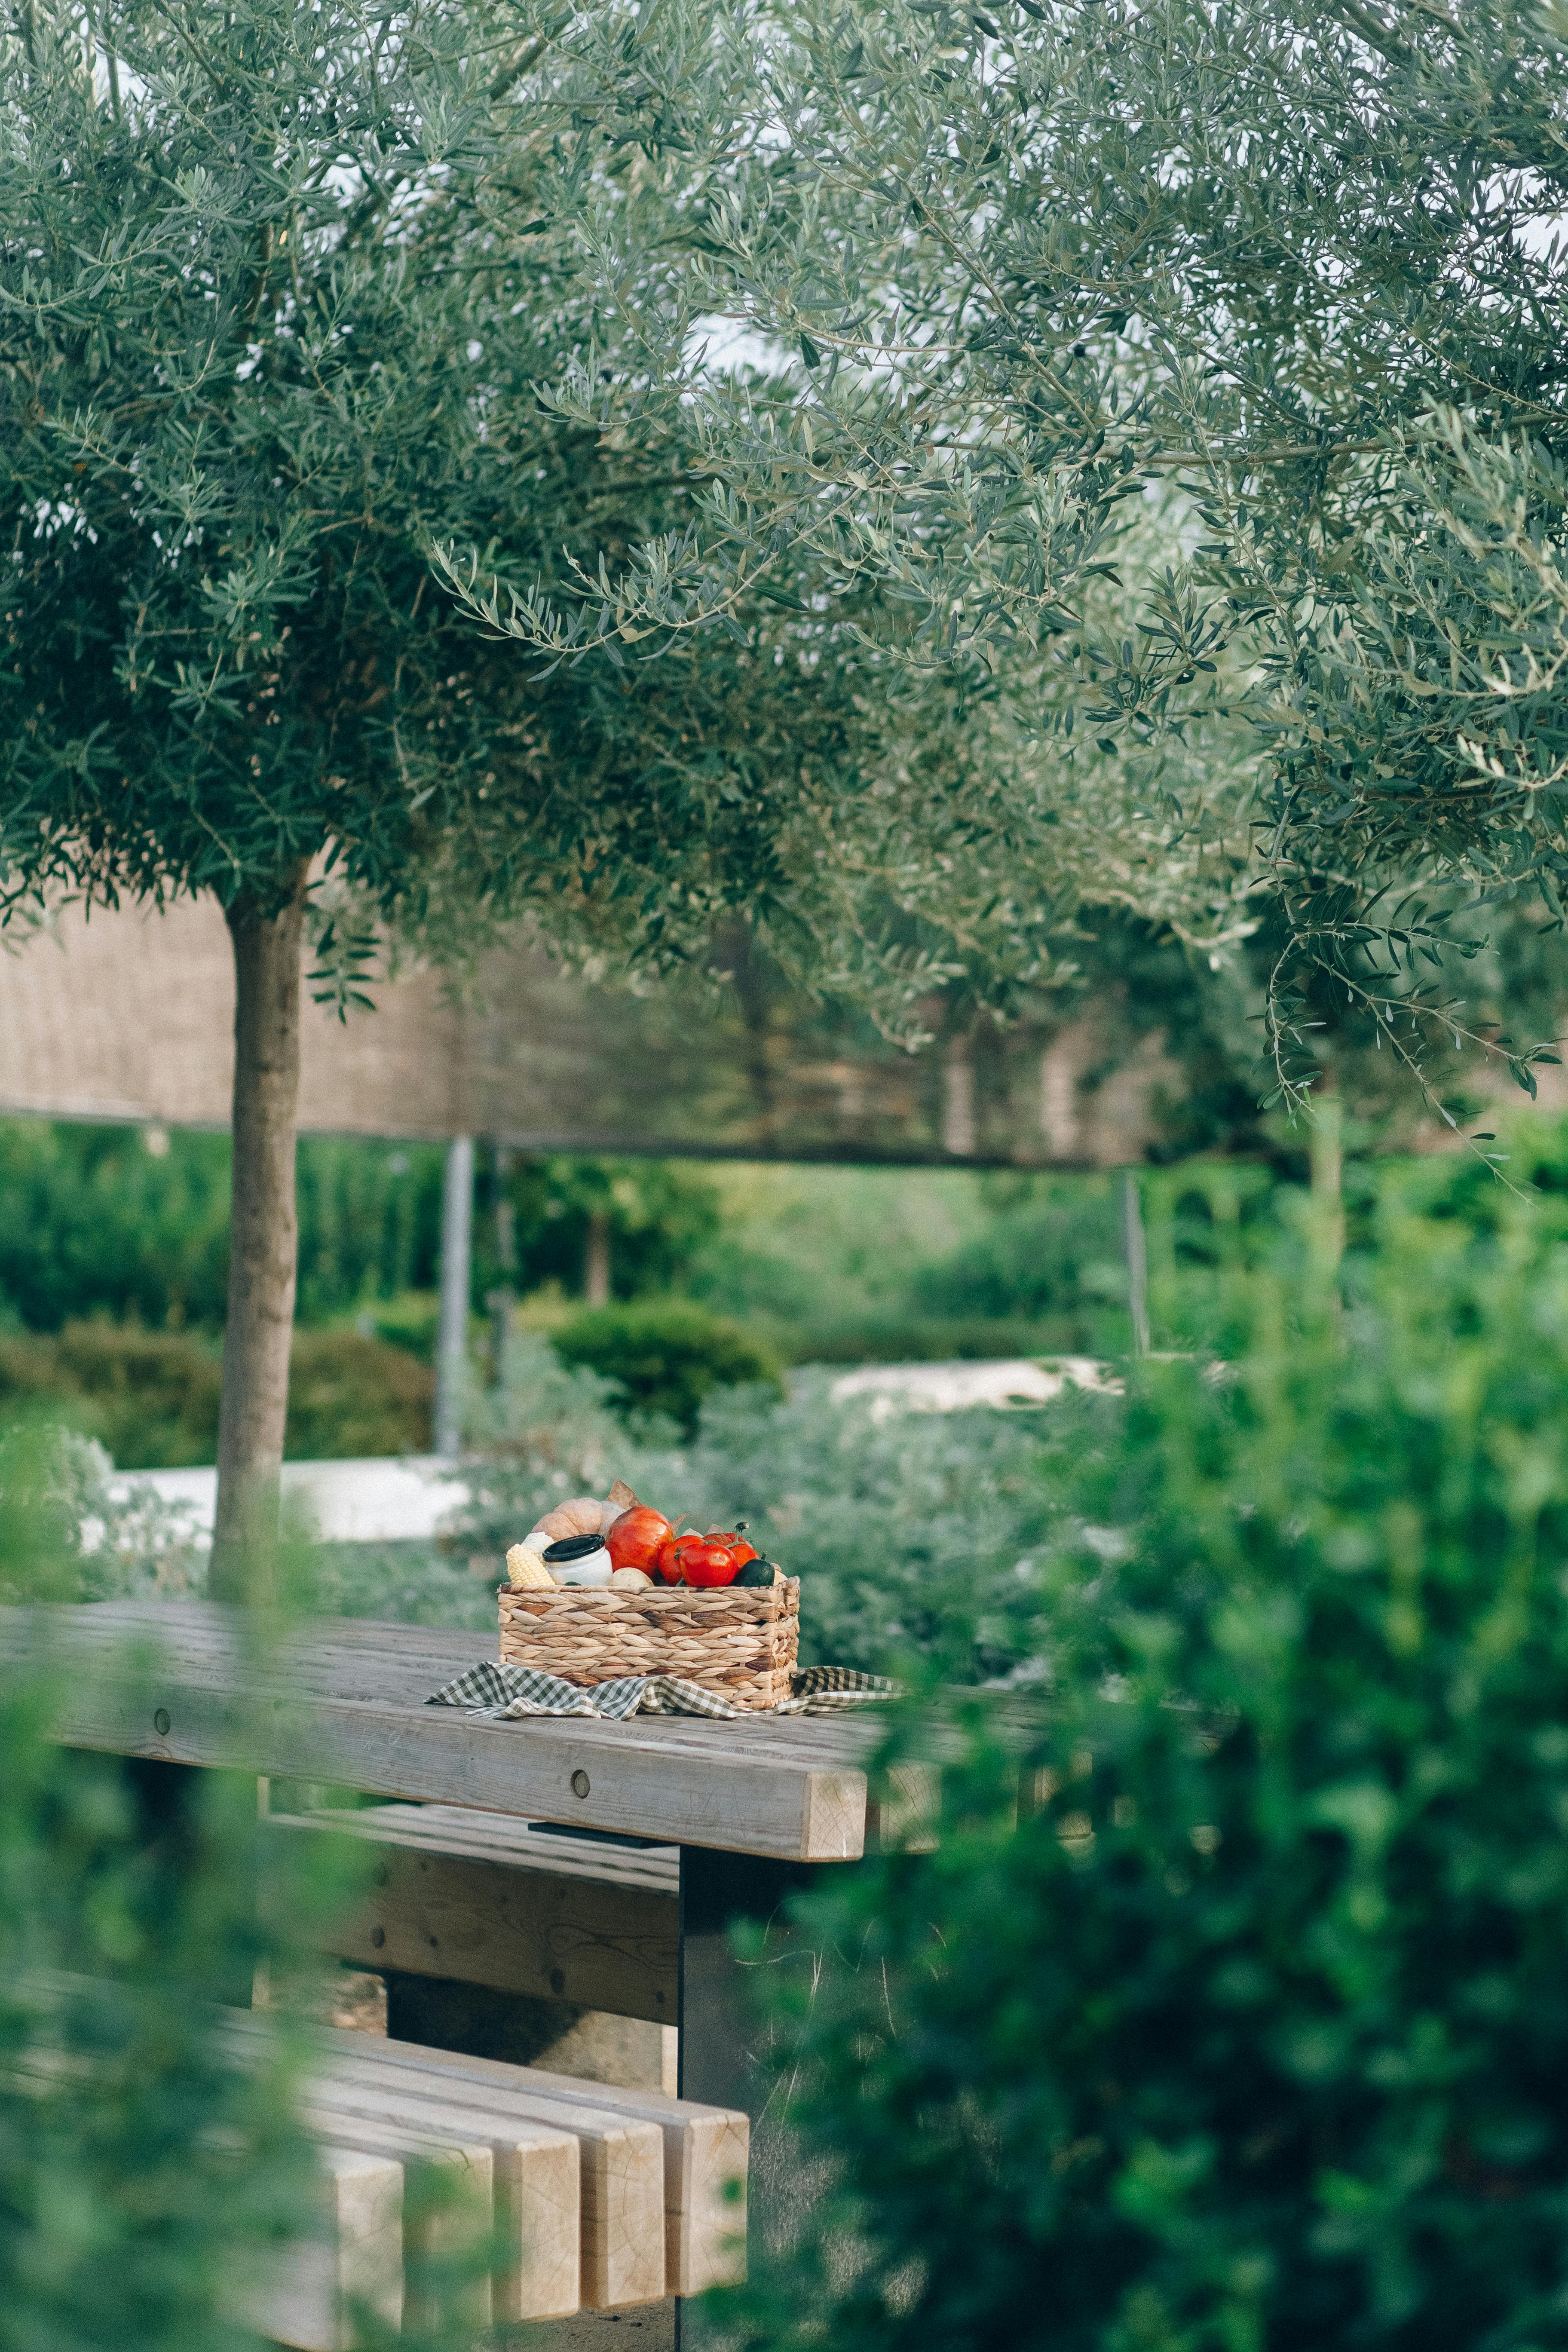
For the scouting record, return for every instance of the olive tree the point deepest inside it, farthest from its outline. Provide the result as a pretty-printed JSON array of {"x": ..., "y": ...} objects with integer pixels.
[
  {"x": 1296, "y": 268},
  {"x": 279, "y": 288}
]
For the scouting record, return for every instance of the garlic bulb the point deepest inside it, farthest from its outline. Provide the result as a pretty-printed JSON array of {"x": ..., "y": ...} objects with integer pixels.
[{"x": 630, "y": 1579}]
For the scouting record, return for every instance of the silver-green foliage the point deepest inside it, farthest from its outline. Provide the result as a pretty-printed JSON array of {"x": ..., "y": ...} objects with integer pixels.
[
  {"x": 1000, "y": 271},
  {"x": 275, "y": 314}
]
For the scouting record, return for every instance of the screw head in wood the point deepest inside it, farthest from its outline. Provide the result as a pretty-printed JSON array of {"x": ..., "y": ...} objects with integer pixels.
[
  {"x": 161, "y": 1723},
  {"x": 579, "y": 1784}
]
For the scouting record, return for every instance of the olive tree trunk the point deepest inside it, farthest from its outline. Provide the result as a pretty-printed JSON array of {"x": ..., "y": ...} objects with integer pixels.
[{"x": 263, "y": 1248}]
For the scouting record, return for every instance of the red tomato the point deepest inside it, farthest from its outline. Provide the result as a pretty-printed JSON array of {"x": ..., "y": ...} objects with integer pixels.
[
  {"x": 667, "y": 1559},
  {"x": 636, "y": 1539},
  {"x": 707, "y": 1559},
  {"x": 738, "y": 1547}
]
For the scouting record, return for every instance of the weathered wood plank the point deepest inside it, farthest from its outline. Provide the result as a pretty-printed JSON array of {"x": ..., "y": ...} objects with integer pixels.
[
  {"x": 536, "y": 2176},
  {"x": 354, "y": 2257},
  {"x": 498, "y": 1837},
  {"x": 343, "y": 1703},
  {"x": 706, "y": 2154},
  {"x": 621, "y": 2154},
  {"x": 357, "y": 1660},
  {"x": 597, "y": 1940},
  {"x": 448, "y": 2213}
]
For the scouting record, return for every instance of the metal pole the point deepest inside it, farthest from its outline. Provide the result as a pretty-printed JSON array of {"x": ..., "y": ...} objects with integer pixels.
[
  {"x": 457, "y": 1252},
  {"x": 1137, "y": 1255}
]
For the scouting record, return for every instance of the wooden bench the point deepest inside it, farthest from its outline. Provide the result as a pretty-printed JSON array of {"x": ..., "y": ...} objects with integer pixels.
[
  {"x": 448, "y": 2213},
  {"x": 599, "y": 2198}
]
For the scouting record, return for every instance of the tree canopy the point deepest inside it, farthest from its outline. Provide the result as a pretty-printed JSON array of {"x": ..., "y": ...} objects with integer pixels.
[
  {"x": 984, "y": 277},
  {"x": 277, "y": 311}
]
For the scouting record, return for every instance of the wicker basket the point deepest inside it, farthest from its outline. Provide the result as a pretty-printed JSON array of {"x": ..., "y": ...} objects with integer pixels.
[{"x": 739, "y": 1640}]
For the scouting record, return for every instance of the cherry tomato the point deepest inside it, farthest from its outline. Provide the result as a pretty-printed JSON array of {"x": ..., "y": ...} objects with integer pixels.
[
  {"x": 738, "y": 1545},
  {"x": 707, "y": 1561},
  {"x": 667, "y": 1558}
]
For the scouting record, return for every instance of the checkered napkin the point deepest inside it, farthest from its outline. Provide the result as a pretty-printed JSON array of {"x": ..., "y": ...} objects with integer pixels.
[{"x": 502, "y": 1694}]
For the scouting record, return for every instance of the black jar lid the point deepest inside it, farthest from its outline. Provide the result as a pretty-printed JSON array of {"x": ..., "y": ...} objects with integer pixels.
[{"x": 571, "y": 1548}]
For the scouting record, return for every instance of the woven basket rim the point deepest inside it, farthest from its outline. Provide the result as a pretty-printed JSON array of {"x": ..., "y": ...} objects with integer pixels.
[{"x": 598, "y": 1595}]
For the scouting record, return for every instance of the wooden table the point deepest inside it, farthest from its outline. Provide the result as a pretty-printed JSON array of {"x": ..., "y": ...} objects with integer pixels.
[{"x": 752, "y": 1807}]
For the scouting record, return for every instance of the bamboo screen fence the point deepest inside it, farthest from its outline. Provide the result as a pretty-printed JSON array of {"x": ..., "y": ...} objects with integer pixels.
[{"x": 128, "y": 1016}]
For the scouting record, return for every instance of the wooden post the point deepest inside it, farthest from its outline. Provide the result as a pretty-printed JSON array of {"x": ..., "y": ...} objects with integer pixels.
[
  {"x": 596, "y": 1259},
  {"x": 1327, "y": 1164},
  {"x": 1136, "y": 1251},
  {"x": 500, "y": 1300},
  {"x": 457, "y": 1252}
]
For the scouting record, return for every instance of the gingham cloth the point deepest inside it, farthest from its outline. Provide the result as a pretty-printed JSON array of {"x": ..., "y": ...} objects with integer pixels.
[{"x": 502, "y": 1694}]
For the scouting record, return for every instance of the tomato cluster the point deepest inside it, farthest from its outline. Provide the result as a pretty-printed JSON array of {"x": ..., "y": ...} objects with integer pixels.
[{"x": 643, "y": 1537}]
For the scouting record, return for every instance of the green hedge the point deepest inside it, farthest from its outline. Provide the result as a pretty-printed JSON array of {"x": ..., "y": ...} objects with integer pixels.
[{"x": 152, "y": 1396}]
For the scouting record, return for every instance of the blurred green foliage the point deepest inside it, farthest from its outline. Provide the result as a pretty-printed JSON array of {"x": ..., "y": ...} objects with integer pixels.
[
  {"x": 131, "y": 1223},
  {"x": 1249, "y": 2028},
  {"x": 913, "y": 1533},
  {"x": 814, "y": 1265},
  {"x": 1050, "y": 1255},
  {"x": 148, "y": 2185},
  {"x": 656, "y": 1216},
  {"x": 146, "y": 2181},
  {"x": 156, "y": 2192},
  {"x": 92, "y": 1220}
]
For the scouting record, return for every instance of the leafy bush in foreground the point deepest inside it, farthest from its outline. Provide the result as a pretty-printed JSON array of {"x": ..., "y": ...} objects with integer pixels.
[
  {"x": 1251, "y": 2034},
  {"x": 147, "y": 2183},
  {"x": 146, "y": 2186}
]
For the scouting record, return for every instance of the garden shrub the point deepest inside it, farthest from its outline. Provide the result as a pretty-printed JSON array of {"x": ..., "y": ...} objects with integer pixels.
[
  {"x": 914, "y": 1534},
  {"x": 1248, "y": 2030},
  {"x": 144, "y": 2185},
  {"x": 152, "y": 1397},
  {"x": 147, "y": 2181},
  {"x": 1051, "y": 1256},
  {"x": 664, "y": 1357},
  {"x": 349, "y": 1395}
]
